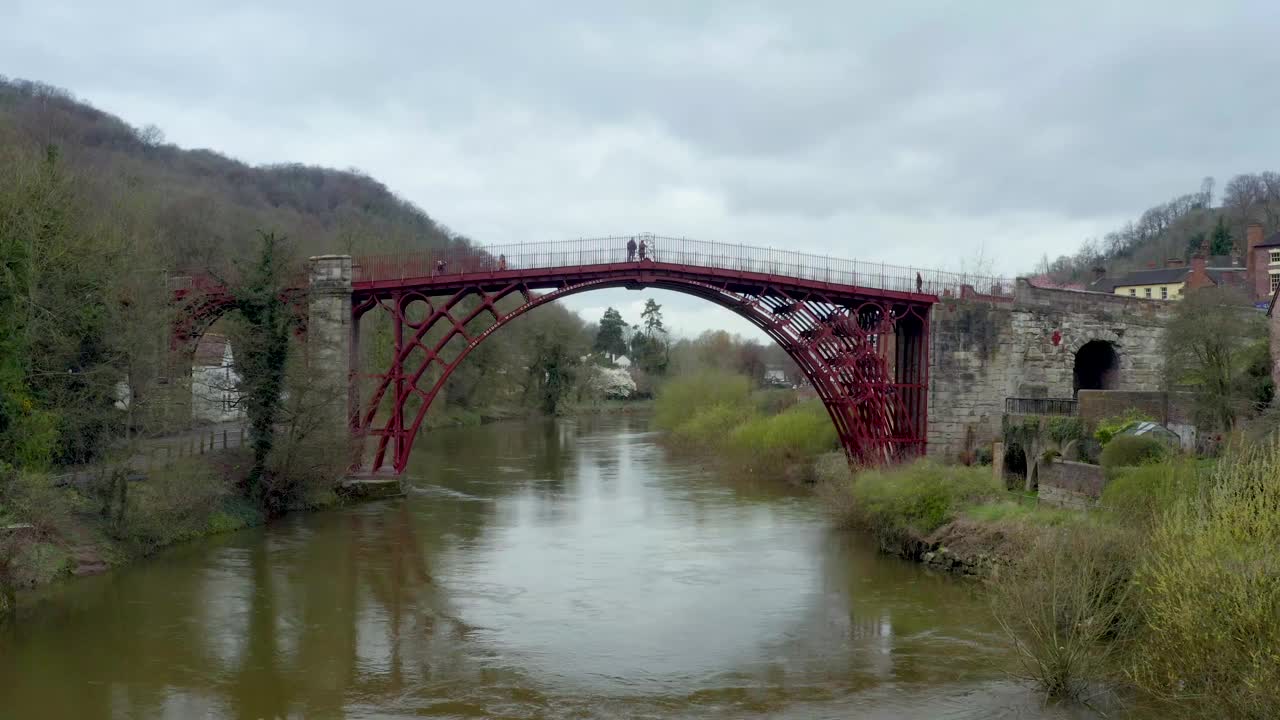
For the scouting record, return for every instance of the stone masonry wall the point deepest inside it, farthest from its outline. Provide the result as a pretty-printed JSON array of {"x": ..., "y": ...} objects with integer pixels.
[
  {"x": 1165, "y": 407},
  {"x": 1070, "y": 484},
  {"x": 982, "y": 352},
  {"x": 329, "y": 332}
]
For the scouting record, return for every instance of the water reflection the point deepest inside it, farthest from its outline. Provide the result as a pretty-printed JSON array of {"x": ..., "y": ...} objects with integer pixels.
[{"x": 548, "y": 569}]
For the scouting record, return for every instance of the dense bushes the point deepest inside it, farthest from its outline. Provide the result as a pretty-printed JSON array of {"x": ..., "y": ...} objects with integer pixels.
[
  {"x": 1128, "y": 450},
  {"x": 1176, "y": 589},
  {"x": 764, "y": 431},
  {"x": 913, "y": 499},
  {"x": 1210, "y": 594},
  {"x": 1140, "y": 494}
]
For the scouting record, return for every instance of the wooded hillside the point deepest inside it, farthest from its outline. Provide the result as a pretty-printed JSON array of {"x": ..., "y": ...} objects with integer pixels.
[{"x": 1178, "y": 228}]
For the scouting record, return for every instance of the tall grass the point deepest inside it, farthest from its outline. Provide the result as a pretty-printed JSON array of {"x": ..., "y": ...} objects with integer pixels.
[
  {"x": 682, "y": 398},
  {"x": 755, "y": 431},
  {"x": 770, "y": 442},
  {"x": 1067, "y": 608},
  {"x": 1210, "y": 594},
  {"x": 1139, "y": 495},
  {"x": 913, "y": 499}
]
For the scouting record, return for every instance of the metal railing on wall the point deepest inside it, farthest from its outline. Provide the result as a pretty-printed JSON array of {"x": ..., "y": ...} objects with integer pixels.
[
  {"x": 676, "y": 251},
  {"x": 1040, "y": 406}
]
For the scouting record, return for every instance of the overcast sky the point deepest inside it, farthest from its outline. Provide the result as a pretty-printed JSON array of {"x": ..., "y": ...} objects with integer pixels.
[{"x": 918, "y": 135}]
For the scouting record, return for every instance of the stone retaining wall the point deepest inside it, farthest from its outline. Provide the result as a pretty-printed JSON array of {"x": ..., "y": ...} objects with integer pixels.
[{"x": 1069, "y": 484}]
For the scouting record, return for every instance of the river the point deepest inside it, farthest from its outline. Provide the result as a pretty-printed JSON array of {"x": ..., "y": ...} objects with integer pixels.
[{"x": 553, "y": 569}]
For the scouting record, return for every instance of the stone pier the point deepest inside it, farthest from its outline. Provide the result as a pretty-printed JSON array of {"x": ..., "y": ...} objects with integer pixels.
[{"x": 331, "y": 335}]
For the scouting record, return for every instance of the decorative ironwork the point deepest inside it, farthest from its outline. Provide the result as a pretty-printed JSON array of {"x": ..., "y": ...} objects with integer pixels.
[{"x": 864, "y": 348}]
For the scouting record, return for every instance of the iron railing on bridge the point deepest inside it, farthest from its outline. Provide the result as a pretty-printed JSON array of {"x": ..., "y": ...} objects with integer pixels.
[
  {"x": 677, "y": 251},
  {"x": 1039, "y": 406}
]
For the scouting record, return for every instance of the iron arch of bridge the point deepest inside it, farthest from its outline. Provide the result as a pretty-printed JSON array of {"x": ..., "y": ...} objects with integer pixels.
[{"x": 865, "y": 354}]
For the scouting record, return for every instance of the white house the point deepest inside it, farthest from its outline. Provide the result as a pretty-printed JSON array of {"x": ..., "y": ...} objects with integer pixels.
[{"x": 215, "y": 396}]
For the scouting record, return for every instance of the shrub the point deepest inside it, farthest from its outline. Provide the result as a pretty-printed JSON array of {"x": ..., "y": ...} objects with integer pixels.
[
  {"x": 1111, "y": 427},
  {"x": 1063, "y": 430},
  {"x": 1067, "y": 607},
  {"x": 799, "y": 433},
  {"x": 1130, "y": 450},
  {"x": 709, "y": 427},
  {"x": 917, "y": 498},
  {"x": 174, "y": 503},
  {"x": 1141, "y": 493},
  {"x": 1211, "y": 594},
  {"x": 684, "y": 397}
]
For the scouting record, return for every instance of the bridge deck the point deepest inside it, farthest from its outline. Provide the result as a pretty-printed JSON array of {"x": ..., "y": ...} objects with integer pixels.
[{"x": 743, "y": 267}]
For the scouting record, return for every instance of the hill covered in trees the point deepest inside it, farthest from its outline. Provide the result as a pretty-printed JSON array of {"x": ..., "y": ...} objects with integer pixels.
[
  {"x": 199, "y": 205},
  {"x": 94, "y": 212},
  {"x": 1178, "y": 228}
]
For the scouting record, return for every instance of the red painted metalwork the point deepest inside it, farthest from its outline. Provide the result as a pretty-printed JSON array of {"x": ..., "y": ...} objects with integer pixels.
[{"x": 859, "y": 331}]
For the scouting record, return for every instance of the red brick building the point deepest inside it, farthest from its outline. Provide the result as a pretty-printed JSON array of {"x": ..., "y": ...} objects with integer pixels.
[{"x": 1262, "y": 262}]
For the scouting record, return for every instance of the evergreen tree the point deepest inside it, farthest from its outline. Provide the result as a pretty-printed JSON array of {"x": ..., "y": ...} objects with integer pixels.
[
  {"x": 267, "y": 322},
  {"x": 609, "y": 339},
  {"x": 1220, "y": 242},
  {"x": 652, "y": 316}
]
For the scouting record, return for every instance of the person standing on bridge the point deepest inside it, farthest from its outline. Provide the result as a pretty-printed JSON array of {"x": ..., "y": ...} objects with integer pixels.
[
  {"x": 502, "y": 261},
  {"x": 631, "y": 249},
  {"x": 919, "y": 283},
  {"x": 644, "y": 248}
]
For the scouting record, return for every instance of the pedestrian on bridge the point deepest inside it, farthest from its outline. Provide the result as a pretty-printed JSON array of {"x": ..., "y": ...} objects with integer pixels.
[
  {"x": 919, "y": 283},
  {"x": 502, "y": 261},
  {"x": 631, "y": 249},
  {"x": 644, "y": 248}
]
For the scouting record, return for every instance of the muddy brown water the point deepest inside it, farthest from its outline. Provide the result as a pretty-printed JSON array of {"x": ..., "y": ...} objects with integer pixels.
[{"x": 554, "y": 569}]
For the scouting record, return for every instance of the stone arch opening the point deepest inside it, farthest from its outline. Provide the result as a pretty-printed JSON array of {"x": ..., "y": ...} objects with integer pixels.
[{"x": 1097, "y": 367}]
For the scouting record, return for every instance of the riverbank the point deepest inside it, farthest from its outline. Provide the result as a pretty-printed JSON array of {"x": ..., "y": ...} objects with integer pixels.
[
  {"x": 113, "y": 517},
  {"x": 1169, "y": 590},
  {"x": 118, "y": 516}
]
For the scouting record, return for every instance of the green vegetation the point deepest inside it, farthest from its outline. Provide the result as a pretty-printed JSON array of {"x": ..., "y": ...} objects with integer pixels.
[
  {"x": 1067, "y": 607},
  {"x": 1129, "y": 450},
  {"x": 1171, "y": 588},
  {"x": 908, "y": 501},
  {"x": 1110, "y": 427},
  {"x": 1216, "y": 344},
  {"x": 96, "y": 220},
  {"x": 1209, "y": 593},
  {"x": 764, "y": 431}
]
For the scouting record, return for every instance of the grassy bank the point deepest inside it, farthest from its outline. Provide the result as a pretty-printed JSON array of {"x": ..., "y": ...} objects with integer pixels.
[
  {"x": 752, "y": 430},
  {"x": 1171, "y": 589}
]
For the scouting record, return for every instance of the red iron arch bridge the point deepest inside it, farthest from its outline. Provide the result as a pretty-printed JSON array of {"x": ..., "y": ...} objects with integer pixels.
[{"x": 858, "y": 330}]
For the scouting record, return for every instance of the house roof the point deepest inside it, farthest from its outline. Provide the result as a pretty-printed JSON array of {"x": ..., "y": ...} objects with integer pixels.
[
  {"x": 210, "y": 350},
  {"x": 1157, "y": 276},
  {"x": 1273, "y": 241},
  {"x": 1224, "y": 261},
  {"x": 1226, "y": 276}
]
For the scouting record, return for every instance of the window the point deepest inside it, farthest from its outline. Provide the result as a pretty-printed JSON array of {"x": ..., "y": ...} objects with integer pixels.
[
  {"x": 1164, "y": 292},
  {"x": 1275, "y": 257},
  {"x": 1275, "y": 282},
  {"x": 1133, "y": 292},
  {"x": 1146, "y": 292}
]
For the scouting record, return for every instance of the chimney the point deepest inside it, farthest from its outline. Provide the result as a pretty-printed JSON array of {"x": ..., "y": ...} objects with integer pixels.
[
  {"x": 1175, "y": 263},
  {"x": 1197, "y": 277},
  {"x": 1257, "y": 285}
]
